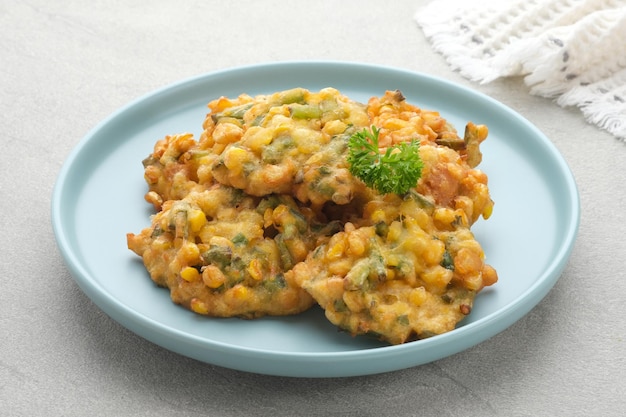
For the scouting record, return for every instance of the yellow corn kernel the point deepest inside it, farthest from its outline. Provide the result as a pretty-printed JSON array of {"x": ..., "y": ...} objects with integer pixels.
[
  {"x": 473, "y": 282},
  {"x": 356, "y": 246},
  {"x": 205, "y": 173},
  {"x": 308, "y": 140},
  {"x": 336, "y": 249},
  {"x": 326, "y": 93},
  {"x": 340, "y": 267},
  {"x": 422, "y": 219},
  {"x": 225, "y": 133},
  {"x": 206, "y": 139},
  {"x": 417, "y": 296},
  {"x": 456, "y": 170},
  {"x": 154, "y": 198},
  {"x": 433, "y": 253},
  {"x": 198, "y": 306},
  {"x": 354, "y": 301},
  {"x": 152, "y": 174},
  {"x": 464, "y": 207},
  {"x": 234, "y": 159},
  {"x": 395, "y": 124},
  {"x": 218, "y": 148},
  {"x": 357, "y": 117},
  {"x": 161, "y": 244},
  {"x": 254, "y": 269},
  {"x": 221, "y": 104},
  {"x": 256, "y": 138},
  {"x": 196, "y": 219},
  {"x": 240, "y": 293},
  {"x": 378, "y": 216},
  {"x": 334, "y": 127},
  {"x": 437, "y": 276},
  {"x": 394, "y": 260},
  {"x": 334, "y": 287},
  {"x": 279, "y": 213},
  {"x": 468, "y": 261},
  {"x": 189, "y": 274},
  {"x": 213, "y": 277},
  {"x": 489, "y": 275},
  {"x": 487, "y": 211},
  {"x": 417, "y": 246},
  {"x": 174, "y": 266},
  {"x": 221, "y": 241},
  {"x": 297, "y": 249},
  {"x": 395, "y": 231},
  {"x": 444, "y": 215},
  {"x": 188, "y": 253}
]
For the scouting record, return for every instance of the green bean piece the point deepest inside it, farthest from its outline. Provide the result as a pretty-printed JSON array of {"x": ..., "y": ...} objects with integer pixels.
[
  {"x": 340, "y": 306},
  {"x": 283, "y": 250},
  {"x": 328, "y": 229},
  {"x": 304, "y": 111},
  {"x": 453, "y": 143},
  {"x": 275, "y": 283},
  {"x": 447, "y": 261},
  {"x": 219, "y": 256},
  {"x": 358, "y": 276},
  {"x": 403, "y": 320},
  {"x": 420, "y": 199},
  {"x": 240, "y": 239},
  {"x": 295, "y": 95},
  {"x": 275, "y": 151},
  {"x": 235, "y": 112}
]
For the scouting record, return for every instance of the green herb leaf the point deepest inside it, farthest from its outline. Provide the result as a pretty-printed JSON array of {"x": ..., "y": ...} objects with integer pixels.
[{"x": 395, "y": 171}]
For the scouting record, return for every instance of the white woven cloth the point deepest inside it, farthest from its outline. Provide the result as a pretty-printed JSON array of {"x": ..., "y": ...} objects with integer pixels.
[{"x": 570, "y": 50}]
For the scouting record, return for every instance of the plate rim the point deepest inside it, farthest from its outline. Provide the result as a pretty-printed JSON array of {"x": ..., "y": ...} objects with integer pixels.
[{"x": 142, "y": 325}]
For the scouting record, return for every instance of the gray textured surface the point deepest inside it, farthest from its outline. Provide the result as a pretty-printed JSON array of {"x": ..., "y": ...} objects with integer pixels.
[{"x": 67, "y": 65}]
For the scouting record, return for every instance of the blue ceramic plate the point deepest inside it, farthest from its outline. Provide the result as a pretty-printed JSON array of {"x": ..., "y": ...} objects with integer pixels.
[{"x": 98, "y": 198}]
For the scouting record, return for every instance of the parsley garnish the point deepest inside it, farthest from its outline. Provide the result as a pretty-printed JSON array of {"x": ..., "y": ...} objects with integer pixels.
[{"x": 395, "y": 171}]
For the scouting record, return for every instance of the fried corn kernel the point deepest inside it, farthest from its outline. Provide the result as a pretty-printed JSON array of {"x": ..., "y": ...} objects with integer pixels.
[
  {"x": 489, "y": 275},
  {"x": 395, "y": 231},
  {"x": 434, "y": 252},
  {"x": 336, "y": 250},
  {"x": 487, "y": 211},
  {"x": 198, "y": 306},
  {"x": 161, "y": 245},
  {"x": 196, "y": 219},
  {"x": 356, "y": 245},
  {"x": 240, "y": 293},
  {"x": 255, "y": 270},
  {"x": 213, "y": 277},
  {"x": 221, "y": 241},
  {"x": 227, "y": 133},
  {"x": 417, "y": 296},
  {"x": 234, "y": 159},
  {"x": 378, "y": 216},
  {"x": 334, "y": 127},
  {"x": 190, "y": 274},
  {"x": 257, "y": 137},
  {"x": 437, "y": 277},
  {"x": 340, "y": 266},
  {"x": 188, "y": 253},
  {"x": 298, "y": 249},
  {"x": 467, "y": 261}
]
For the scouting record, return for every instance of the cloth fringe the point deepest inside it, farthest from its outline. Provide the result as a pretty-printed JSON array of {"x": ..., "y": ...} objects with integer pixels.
[{"x": 571, "y": 50}]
